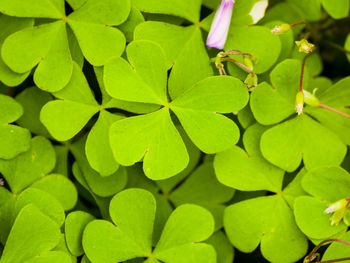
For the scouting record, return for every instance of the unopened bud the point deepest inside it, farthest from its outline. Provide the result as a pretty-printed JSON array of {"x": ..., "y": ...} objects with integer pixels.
[
  {"x": 305, "y": 46},
  {"x": 310, "y": 99},
  {"x": 280, "y": 29},
  {"x": 299, "y": 102},
  {"x": 251, "y": 81}
]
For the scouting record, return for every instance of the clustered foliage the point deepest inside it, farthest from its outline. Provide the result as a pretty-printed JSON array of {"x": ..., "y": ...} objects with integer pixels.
[{"x": 121, "y": 142}]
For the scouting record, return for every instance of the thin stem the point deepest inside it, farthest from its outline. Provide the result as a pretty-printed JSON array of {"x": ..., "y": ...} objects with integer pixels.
[
  {"x": 313, "y": 253},
  {"x": 237, "y": 52},
  {"x": 302, "y": 72},
  {"x": 334, "y": 110},
  {"x": 240, "y": 64},
  {"x": 299, "y": 23},
  {"x": 337, "y": 47}
]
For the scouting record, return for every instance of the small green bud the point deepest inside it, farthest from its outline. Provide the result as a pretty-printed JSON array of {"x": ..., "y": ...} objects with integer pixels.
[
  {"x": 251, "y": 81},
  {"x": 280, "y": 29},
  {"x": 248, "y": 62},
  {"x": 310, "y": 99},
  {"x": 299, "y": 102},
  {"x": 305, "y": 46}
]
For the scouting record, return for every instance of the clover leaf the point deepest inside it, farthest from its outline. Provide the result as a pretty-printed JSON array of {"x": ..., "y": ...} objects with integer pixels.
[
  {"x": 74, "y": 226},
  {"x": 11, "y": 25},
  {"x": 100, "y": 185},
  {"x": 131, "y": 236},
  {"x": 340, "y": 10},
  {"x": 296, "y": 139},
  {"x": 326, "y": 185},
  {"x": 182, "y": 8},
  {"x": 25, "y": 169},
  {"x": 337, "y": 96},
  {"x": 154, "y": 135},
  {"x": 13, "y": 139},
  {"x": 266, "y": 220},
  {"x": 32, "y": 233},
  {"x": 48, "y": 43},
  {"x": 65, "y": 117}
]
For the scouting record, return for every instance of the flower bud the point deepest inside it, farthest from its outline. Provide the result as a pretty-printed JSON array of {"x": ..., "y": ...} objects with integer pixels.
[
  {"x": 281, "y": 29},
  {"x": 220, "y": 25},
  {"x": 310, "y": 99},
  {"x": 305, "y": 46},
  {"x": 299, "y": 102}
]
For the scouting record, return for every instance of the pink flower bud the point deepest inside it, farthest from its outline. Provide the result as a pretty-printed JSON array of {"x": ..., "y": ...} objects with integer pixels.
[{"x": 220, "y": 26}]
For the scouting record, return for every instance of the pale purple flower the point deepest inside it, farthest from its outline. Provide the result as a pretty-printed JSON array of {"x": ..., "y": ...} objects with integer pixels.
[{"x": 220, "y": 26}]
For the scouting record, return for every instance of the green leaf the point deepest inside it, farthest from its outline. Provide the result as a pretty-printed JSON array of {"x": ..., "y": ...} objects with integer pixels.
[
  {"x": 347, "y": 46},
  {"x": 133, "y": 212},
  {"x": 47, "y": 204},
  {"x": 182, "y": 8},
  {"x": 55, "y": 68},
  {"x": 311, "y": 10},
  {"x": 271, "y": 105},
  {"x": 286, "y": 144},
  {"x": 9, "y": 26},
  {"x": 338, "y": 10},
  {"x": 173, "y": 39},
  {"x": 191, "y": 65},
  {"x": 73, "y": 228},
  {"x": 197, "y": 110},
  {"x": 269, "y": 221},
  {"x": 153, "y": 136},
  {"x": 251, "y": 139},
  {"x": 337, "y": 249},
  {"x": 48, "y": 46},
  {"x": 51, "y": 256},
  {"x": 194, "y": 154},
  {"x": 294, "y": 189},
  {"x": 142, "y": 81},
  {"x": 33, "y": 8},
  {"x": 327, "y": 183},
  {"x": 98, "y": 42},
  {"x": 223, "y": 248},
  {"x": 311, "y": 219},
  {"x": 32, "y": 233},
  {"x": 266, "y": 46},
  {"x": 186, "y": 225},
  {"x": 106, "y": 12},
  {"x": 98, "y": 150},
  {"x": 135, "y": 18},
  {"x": 337, "y": 96},
  {"x": 25, "y": 169},
  {"x": 235, "y": 168},
  {"x": 75, "y": 4},
  {"x": 65, "y": 118},
  {"x": 60, "y": 187},
  {"x": 103, "y": 186},
  {"x": 13, "y": 139},
  {"x": 202, "y": 188},
  {"x": 33, "y": 99}
]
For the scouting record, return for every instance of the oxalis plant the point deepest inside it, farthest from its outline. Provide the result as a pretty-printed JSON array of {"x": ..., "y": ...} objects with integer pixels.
[{"x": 174, "y": 131}]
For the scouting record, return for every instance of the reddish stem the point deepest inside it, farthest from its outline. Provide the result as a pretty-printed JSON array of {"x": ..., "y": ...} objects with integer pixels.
[
  {"x": 334, "y": 110},
  {"x": 240, "y": 64},
  {"x": 302, "y": 72},
  {"x": 299, "y": 23}
]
